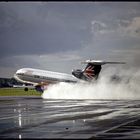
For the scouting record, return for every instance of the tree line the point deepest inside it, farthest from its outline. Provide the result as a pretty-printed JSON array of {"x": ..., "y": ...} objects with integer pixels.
[{"x": 8, "y": 82}]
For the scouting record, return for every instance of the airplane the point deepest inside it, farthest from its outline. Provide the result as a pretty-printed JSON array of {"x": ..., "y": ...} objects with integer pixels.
[{"x": 40, "y": 79}]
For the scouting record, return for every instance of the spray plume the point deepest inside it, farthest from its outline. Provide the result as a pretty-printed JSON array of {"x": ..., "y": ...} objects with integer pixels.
[{"x": 127, "y": 87}]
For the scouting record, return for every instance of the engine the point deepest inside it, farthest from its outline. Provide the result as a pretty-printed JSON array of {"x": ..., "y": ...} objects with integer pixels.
[
  {"x": 77, "y": 73},
  {"x": 90, "y": 73},
  {"x": 39, "y": 88}
]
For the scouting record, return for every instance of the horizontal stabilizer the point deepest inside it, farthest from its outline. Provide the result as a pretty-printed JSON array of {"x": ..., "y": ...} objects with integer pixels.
[{"x": 100, "y": 62}]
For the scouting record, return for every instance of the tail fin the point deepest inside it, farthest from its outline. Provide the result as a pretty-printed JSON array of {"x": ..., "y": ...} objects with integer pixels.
[
  {"x": 92, "y": 69},
  {"x": 99, "y": 62}
]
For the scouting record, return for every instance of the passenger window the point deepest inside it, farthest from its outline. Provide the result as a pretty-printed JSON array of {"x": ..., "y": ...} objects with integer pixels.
[{"x": 36, "y": 76}]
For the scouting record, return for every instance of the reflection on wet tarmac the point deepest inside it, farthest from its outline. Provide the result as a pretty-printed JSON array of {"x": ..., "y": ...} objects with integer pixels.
[{"x": 34, "y": 117}]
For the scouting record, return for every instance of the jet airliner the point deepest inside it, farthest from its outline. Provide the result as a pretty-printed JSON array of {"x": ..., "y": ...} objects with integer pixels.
[{"x": 42, "y": 78}]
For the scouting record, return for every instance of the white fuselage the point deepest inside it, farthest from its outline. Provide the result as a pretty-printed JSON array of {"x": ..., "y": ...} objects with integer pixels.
[
  {"x": 36, "y": 76},
  {"x": 42, "y": 78}
]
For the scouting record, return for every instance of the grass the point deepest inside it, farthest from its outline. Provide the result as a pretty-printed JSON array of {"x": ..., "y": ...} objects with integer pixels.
[{"x": 18, "y": 92}]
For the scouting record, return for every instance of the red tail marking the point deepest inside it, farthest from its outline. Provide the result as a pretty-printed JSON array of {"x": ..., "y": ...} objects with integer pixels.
[{"x": 89, "y": 72}]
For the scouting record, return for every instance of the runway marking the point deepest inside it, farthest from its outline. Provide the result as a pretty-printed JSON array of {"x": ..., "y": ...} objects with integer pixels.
[
  {"x": 104, "y": 132},
  {"x": 67, "y": 118}
]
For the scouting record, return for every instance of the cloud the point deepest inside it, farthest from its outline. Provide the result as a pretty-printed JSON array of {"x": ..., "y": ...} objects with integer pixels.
[
  {"x": 37, "y": 33},
  {"x": 19, "y": 61},
  {"x": 64, "y": 33},
  {"x": 134, "y": 27},
  {"x": 124, "y": 28},
  {"x": 98, "y": 27},
  {"x": 129, "y": 55},
  {"x": 68, "y": 56}
]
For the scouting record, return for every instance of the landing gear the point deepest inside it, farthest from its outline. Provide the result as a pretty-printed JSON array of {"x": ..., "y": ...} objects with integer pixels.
[
  {"x": 39, "y": 89},
  {"x": 26, "y": 89}
]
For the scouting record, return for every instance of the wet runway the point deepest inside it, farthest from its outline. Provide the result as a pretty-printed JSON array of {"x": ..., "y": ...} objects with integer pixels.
[{"x": 34, "y": 117}]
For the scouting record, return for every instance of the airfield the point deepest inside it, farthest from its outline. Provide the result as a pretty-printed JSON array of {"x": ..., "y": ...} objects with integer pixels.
[{"x": 34, "y": 117}]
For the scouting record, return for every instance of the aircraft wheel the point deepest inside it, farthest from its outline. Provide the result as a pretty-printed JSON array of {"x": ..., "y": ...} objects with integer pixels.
[{"x": 25, "y": 89}]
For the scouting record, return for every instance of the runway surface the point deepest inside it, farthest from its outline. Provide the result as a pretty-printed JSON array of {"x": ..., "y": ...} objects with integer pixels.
[{"x": 34, "y": 117}]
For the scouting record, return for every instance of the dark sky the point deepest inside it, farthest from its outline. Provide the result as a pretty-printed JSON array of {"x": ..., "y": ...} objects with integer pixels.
[{"x": 58, "y": 35}]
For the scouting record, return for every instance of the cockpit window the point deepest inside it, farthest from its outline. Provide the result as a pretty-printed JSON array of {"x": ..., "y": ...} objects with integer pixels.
[
  {"x": 36, "y": 76},
  {"x": 20, "y": 73}
]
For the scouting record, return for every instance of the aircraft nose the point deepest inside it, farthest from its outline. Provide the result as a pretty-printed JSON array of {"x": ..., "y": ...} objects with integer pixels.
[
  {"x": 20, "y": 71},
  {"x": 17, "y": 71}
]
